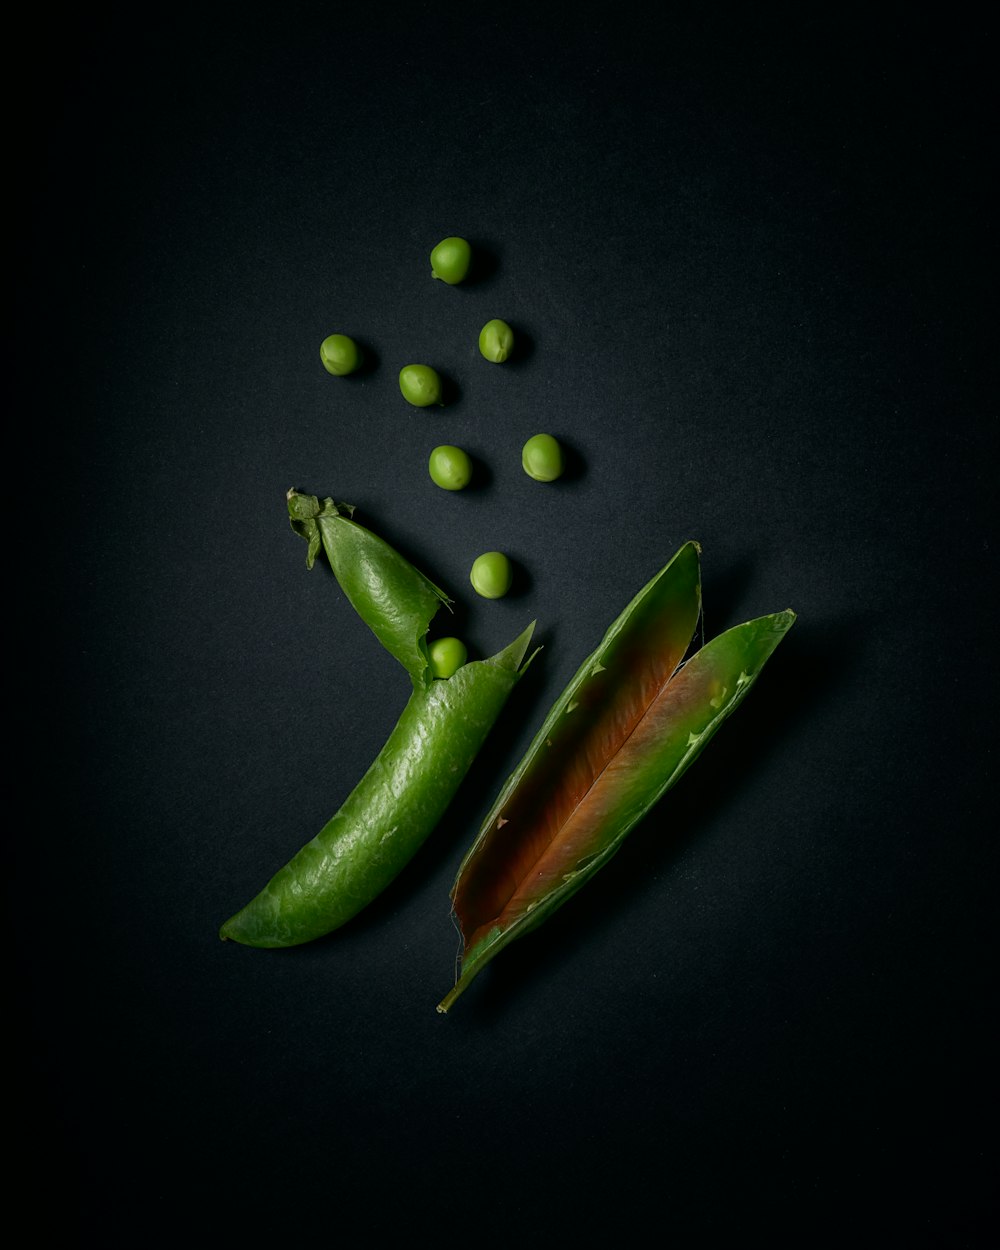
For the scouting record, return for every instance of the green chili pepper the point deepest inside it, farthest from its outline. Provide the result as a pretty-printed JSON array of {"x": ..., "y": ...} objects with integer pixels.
[
  {"x": 410, "y": 784},
  {"x": 622, "y": 733}
]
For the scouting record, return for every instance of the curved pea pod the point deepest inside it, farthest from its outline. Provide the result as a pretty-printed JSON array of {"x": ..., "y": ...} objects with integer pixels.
[
  {"x": 624, "y": 730},
  {"x": 406, "y": 790}
]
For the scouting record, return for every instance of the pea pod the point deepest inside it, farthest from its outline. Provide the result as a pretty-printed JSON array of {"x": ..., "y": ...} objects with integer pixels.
[
  {"x": 414, "y": 777},
  {"x": 624, "y": 730}
]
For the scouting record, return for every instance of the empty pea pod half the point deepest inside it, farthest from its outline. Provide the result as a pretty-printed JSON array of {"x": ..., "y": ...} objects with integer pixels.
[
  {"x": 620, "y": 735},
  {"x": 406, "y": 790}
]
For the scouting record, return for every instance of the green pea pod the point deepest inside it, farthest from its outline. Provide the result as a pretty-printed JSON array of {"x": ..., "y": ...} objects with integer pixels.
[
  {"x": 406, "y": 790},
  {"x": 622, "y": 733}
]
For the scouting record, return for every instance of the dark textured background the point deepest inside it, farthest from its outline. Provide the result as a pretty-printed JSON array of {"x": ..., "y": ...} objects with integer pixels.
[{"x": 746, "y": 259}]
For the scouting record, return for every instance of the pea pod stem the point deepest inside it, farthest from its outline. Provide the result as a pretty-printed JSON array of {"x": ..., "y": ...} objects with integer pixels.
[
  {"x": 409, "y": 785},
  {"x": 587, "y": 780}
]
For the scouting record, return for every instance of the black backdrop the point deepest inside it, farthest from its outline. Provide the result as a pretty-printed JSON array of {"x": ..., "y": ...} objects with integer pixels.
[{"x": 745, "y": 259}]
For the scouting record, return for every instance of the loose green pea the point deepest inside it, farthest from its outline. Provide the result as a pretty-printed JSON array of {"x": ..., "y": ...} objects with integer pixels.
[
  {"x": 420, "y": 385},
  {"x": 447, "y": 656},
  {"x": 541, "y": 458},
  {"x": 450, "y": 260},
  {"x": 496, "y": 341},
  {"x": 491, "y": 575},
  {"x": 339, "y": 354},
  {"x": 449, "y": 467}
]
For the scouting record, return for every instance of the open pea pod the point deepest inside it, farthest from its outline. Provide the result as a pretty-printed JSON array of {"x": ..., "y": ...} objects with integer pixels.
[
  {"x": 622, "y": 733},
  {"x": 406, "y": 790}
]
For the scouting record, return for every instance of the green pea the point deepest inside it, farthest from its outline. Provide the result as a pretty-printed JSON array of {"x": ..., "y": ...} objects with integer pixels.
[
  {"x": 449, "y": 467},
  {"x": 450, "y": 260},
  {"x": 339, "y": 354},
  {"x": 491, "y": 575},
  {"x": 420, "y": 385},
  {"x": 496, "y": 341},
  {"x": 447, "y": 656},
  {"x": 541, "y": 458}
]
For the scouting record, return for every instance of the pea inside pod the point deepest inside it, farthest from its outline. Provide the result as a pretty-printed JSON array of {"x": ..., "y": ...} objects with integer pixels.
[{"x": 447, "y": 656}]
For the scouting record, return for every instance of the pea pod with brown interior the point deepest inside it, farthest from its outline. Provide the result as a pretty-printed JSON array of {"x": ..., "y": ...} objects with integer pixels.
[
  {"x": 624, "y": 730},
  {"x": 406, "y": 790}
]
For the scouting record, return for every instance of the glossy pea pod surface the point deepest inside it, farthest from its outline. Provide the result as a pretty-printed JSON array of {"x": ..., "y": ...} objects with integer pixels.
[
  {"x": 406, "y": 790},
  {"x": 624, "y": 730}
]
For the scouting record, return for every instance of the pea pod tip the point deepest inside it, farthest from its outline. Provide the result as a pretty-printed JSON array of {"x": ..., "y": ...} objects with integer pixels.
[{"x": 449, "y": 998}]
